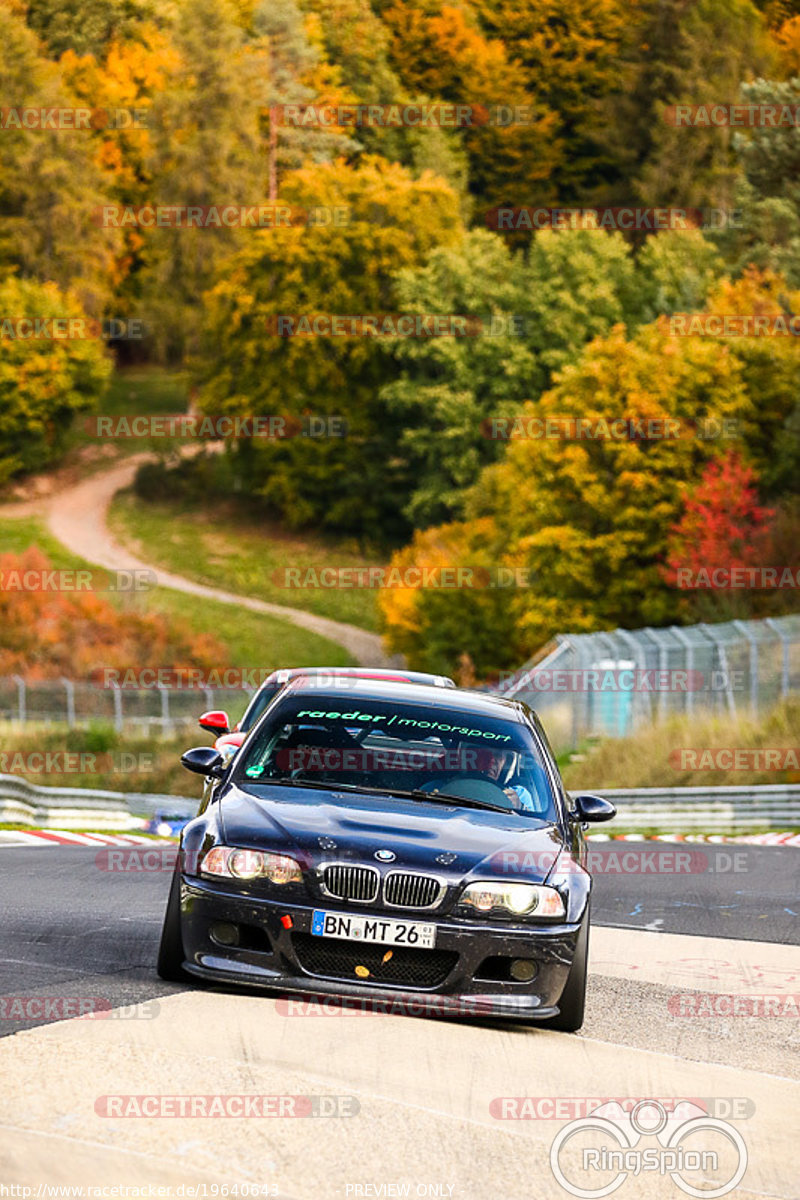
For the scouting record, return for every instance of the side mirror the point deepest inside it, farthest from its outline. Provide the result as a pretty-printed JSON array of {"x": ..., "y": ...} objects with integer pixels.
[
  {"x": 204, "y": 760},
  {"x": 593, "y": 809},
  {"x": 215, "y": 722}
]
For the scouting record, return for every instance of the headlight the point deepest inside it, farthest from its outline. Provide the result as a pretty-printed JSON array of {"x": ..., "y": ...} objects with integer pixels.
[
  {"x": 519, "y": 899},
  {"x": 228, "y": 862}
]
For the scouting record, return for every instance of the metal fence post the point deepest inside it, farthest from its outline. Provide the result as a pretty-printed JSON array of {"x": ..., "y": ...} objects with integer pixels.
[
  {"x": 69, "y": 688},
  {"x": 165, "y": 721},
  {"x": 21, "y": 712},
  {"x": 689, "y": 648},
  {"x": 742, "y": 627},
  {"x": 770, "y": 623},
  {"x": 662, "y": 667}
]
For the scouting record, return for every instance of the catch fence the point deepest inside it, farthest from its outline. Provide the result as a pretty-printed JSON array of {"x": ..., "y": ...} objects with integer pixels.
[{"x": 611, "y": 684}]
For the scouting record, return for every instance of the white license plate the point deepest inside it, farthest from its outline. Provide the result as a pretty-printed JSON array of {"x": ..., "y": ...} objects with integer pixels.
[{"x": 357, "y": 928}]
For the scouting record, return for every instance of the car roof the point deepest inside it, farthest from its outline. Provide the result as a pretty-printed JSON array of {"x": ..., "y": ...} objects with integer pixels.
[
  {"x": 478, "y": 703},
  {"x": 284, "y": 674}
]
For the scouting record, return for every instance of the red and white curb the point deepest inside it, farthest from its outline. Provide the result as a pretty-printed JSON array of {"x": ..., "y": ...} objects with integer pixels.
[
  {"x": 742, "y": 839},
  {"x": 65, "y": 837}
]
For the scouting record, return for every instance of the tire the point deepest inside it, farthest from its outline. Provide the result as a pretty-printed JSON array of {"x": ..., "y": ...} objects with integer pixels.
[
  {"x": 170, "y": 951},
  {"x": 573, "y": 999}
]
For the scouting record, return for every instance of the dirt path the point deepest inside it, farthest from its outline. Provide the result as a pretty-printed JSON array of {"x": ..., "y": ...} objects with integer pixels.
[{"x": 77, "y": 515}]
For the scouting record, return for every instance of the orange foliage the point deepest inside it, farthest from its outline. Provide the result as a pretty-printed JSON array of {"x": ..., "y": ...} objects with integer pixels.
[
  {"x": 788, "y": 43},
  {"x": 45, "y": 634}
]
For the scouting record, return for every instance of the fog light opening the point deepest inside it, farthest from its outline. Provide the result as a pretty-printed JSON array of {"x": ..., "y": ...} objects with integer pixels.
[
  {"x": 225, "y": 934},
  {"x": 523, "y": 969}
]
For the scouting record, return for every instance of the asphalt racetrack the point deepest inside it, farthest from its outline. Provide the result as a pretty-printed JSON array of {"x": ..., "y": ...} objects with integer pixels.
[{"x": 393, "y": 1105}]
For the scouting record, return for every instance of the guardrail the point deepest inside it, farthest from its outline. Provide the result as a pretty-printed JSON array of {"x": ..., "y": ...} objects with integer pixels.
[
  {"x": 23, "y": 803},
  {"x": 704, "y": 809},
  {"x": 666, "y": 810}
]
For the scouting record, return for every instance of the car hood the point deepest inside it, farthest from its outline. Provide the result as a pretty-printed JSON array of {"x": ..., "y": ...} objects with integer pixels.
[{"x": 319, "y": 825}]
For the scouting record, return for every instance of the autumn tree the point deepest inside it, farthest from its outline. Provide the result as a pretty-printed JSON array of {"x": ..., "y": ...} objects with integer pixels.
[
  {"x": 584, "y": 520},
  {"x": 768, "y": 233},
  {"x": 568, "y": 56},
  {"x": 379, "y": 219},
  {"x": 50, "y": 184},
  {"x": 547, "y": 304},
  {"x": 44, "y": 381},
  {"x": 722, "y": 525},
  {"x": 294, "y": 73},
  {"x": 48, "y": 634},
  {"x": 88, "y": 26},
  {"x": 675, "y": 53},
  {"x": 442, "y": 52},
  {"x": 435, "y": 627},
  {"x": 207, "y": 150}
]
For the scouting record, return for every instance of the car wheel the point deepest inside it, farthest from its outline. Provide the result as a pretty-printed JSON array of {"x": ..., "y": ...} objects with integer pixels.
[
  {"x": 170, "y": 952},
  {"x": 573, "y": 999}
]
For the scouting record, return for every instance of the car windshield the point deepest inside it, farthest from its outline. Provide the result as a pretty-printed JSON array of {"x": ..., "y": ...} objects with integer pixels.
[
  {"x": 395, "y": 747},
  {"x": 258, "y": 705}
]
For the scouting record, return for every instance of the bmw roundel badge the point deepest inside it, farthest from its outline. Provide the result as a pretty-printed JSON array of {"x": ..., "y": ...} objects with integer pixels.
[{"x": 385, "y": 855}]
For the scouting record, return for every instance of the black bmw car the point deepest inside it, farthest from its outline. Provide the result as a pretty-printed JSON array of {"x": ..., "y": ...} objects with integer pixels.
[{"x": 390, "y": 841}]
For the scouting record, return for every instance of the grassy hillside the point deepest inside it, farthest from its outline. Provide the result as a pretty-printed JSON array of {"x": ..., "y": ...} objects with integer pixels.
[
  {"x": 225, "y": 547},
  {"x": 653, "y": 758},
  {"x": 252, "y": 640}
]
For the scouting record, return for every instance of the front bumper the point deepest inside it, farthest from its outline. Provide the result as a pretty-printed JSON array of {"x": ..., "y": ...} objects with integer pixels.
[{"x": 272, "y": 956}]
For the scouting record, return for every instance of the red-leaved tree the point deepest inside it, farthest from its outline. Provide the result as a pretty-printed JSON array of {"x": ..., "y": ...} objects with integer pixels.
[{"x": 722, "y": 526}]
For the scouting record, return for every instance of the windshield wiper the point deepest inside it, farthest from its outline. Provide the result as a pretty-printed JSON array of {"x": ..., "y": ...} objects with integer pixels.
[
  {"x": 446, "y": 798},
  {"x": 289, "y": 781},
  {"x": 411, "y": 794}
]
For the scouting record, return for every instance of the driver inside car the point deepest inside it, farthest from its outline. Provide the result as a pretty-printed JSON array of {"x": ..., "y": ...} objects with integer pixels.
[{"x": 500, "y": 767}]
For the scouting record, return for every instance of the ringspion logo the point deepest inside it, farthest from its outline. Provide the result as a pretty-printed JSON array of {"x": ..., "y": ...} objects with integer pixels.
[{"x": 721, "y": 1152}]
